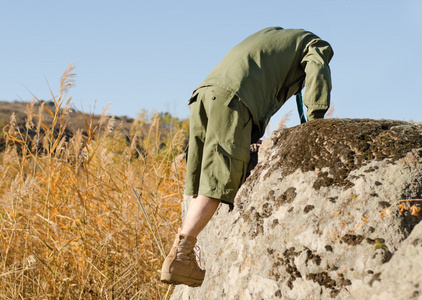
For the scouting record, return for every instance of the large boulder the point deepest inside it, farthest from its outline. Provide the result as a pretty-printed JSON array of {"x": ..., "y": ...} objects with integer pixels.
[{"x": 327, "y": 213}]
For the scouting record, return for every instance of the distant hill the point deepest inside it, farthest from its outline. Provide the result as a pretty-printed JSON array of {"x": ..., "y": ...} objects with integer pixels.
[{"x": 76, "y": 118}]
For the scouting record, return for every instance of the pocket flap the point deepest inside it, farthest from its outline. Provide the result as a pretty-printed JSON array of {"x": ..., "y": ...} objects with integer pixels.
[
  {"x": 194, "y": 97},
  {"x": 234, "y": 151}
]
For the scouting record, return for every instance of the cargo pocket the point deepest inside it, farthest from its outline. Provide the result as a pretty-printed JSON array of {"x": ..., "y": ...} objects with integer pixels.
[{"x": 233, "y": 164}]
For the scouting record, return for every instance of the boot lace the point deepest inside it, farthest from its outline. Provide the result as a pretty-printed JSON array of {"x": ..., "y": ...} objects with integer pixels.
[{"x": 198, "y": 255}]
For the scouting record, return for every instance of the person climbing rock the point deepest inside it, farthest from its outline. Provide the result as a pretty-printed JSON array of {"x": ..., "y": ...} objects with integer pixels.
[{"x": 230, "y": 110}]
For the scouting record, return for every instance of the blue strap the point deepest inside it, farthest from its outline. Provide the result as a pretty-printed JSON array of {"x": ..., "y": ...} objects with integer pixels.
[{"x": 299, "y": 103}]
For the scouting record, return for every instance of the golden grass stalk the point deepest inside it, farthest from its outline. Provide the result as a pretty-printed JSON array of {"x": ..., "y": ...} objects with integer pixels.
[
  {"x": 282, "y": 123},
  {"x": 87, "y": 216},
  {"x": 330, "y": 112}
]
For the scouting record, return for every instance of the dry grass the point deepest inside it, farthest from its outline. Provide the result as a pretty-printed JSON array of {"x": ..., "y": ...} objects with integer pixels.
[{"x": 86, "y": 217}]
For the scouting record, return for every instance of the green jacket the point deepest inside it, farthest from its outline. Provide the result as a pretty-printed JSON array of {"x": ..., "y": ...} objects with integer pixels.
[{"x": 270, "y": 66}]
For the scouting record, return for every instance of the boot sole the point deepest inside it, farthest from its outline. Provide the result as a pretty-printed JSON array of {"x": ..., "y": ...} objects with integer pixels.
[{"x": 178, "y": 279}]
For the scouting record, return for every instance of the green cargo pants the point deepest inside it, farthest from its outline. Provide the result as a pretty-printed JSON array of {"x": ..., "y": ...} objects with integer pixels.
[{"x": 219, "y": 140}]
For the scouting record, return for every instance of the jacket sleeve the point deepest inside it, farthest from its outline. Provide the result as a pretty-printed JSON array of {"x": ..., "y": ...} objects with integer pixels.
[{"x": 318, "y": 54}]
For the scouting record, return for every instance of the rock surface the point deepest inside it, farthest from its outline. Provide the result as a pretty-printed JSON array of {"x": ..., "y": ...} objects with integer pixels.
[{"x": 328, "y": 212}]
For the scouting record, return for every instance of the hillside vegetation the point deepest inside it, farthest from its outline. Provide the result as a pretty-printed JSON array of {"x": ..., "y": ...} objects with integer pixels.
[{"x": 87, "y": 212}]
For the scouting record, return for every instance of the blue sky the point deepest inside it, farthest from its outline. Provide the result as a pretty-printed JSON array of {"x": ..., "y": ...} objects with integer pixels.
[{"x": 152, "y": 54}]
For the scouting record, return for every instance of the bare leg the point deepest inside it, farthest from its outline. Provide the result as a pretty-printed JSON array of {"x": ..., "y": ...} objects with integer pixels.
[{"x": 200, "y": 211}]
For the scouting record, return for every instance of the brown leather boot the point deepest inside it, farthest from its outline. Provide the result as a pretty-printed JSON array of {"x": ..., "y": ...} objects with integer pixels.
[{"x": 180, "y": 266}]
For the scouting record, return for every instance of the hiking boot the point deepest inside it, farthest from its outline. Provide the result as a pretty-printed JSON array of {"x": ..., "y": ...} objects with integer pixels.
[{"x": 180, "y": 266}]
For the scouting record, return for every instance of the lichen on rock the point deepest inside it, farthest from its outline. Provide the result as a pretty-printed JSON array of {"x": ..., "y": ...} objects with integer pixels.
[{"x": 341, "y": 146}]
